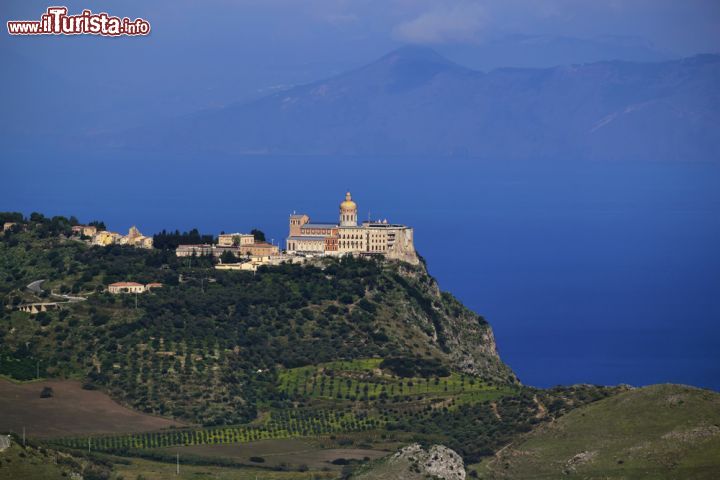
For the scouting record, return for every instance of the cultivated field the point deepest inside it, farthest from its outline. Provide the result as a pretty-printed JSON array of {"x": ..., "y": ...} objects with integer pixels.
[
  {"x": 363, "y": 380},
  {"x": 149, "y": 470},
  {"x": 70, "y": 411},
  {"x": 291, "y": 453},
  {"x": 279, "y": 425},
  {"x": 337, "y": 397}
]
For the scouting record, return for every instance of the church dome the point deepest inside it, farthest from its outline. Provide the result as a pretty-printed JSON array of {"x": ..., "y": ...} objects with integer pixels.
[{"x": 348, "y": 204}]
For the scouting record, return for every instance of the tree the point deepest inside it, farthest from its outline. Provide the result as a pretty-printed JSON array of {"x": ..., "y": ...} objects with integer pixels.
[
  {"x": 170, "y": 240},
  {"x": 258, "y": 234},
  {"x": 15, "y": 217},
  {"x": 97, "y": 224},
  {"x": 228, "y": 257}
]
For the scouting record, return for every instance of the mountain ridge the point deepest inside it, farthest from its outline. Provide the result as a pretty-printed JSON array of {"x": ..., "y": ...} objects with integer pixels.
[{"x": 413, "y": 102}]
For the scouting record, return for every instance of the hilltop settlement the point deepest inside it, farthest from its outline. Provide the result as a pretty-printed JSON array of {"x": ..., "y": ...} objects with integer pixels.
[
  {"x": 247, "y": 251},
  {"x": 309, "y": 239}
]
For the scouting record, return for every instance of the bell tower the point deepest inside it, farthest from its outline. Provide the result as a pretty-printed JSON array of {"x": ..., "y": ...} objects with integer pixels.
[{"x": 348, "y": 212}]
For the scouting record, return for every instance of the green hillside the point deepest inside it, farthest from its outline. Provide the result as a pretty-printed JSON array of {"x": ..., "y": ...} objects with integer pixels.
[
  {"x": 208, "y": 347},
  {"x": 658, "y": 432},
  {"x": 357, "y": 354},
  {"x": 36, "y": 462}
]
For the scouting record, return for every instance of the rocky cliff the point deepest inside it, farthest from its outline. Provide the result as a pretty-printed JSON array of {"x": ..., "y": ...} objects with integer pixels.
[
  {"x": 415, "y": 462},
  {"x": 450, "y": 329}
]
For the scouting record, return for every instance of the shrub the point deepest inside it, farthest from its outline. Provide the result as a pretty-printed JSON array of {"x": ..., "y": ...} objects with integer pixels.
[{"x": 415, "y": 367}]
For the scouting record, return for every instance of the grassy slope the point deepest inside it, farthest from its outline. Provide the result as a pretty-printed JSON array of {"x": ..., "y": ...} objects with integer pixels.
[
  {"x": 150, "y": 470},
  {"x": 17, "y": 462},
  {"x": 161, "y": 357},
  {"x": 400, "y": 470},
  {"x": 31, "y": 462},
  {"x": 660, "y": 432}
]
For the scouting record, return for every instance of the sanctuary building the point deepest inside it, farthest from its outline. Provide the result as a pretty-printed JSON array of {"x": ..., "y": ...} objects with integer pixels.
[{"x": 345, "y": 237}]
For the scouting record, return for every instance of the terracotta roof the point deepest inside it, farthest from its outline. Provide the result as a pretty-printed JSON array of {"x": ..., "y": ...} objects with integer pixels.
[{"x": 125, "y": 284}]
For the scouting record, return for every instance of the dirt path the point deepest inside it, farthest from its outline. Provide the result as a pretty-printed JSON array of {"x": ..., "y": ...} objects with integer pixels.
[{"x": 542, "y": 411}]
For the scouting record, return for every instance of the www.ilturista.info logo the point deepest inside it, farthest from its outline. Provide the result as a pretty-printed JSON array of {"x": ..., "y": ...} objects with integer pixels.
[{"x": 56, "y": 21}]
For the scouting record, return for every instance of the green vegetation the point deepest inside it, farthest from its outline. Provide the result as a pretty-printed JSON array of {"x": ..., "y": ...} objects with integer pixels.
[
  {"x": 478, "y": 429},
  {"x": 22, "y": 365},
  {"x": 282, "y": 424},
  {"x": 228, "y": 257},
  {"x": 170, "y": 240},
  {"x": 40, "y": 462},
  {"x": 35, "y": 461},
  {"x": 659, "y": 432},
  {"x": 497, "y": 417},
  {"x": 339, "y": 347},
  {"x": 415, "y": 367},
  {"x": 259, "y": 235},
  {"x": 364, "y": 380},
  {"x": 143, "y": 469},
  {"x": 208, "y": 347}
]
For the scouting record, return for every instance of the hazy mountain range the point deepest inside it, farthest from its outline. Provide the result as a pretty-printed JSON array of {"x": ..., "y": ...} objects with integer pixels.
[{"x": 415, "y": 102}]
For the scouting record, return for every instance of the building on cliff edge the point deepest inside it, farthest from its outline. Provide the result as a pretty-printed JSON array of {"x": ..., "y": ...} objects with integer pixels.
[{"x": 346, "y": 237}]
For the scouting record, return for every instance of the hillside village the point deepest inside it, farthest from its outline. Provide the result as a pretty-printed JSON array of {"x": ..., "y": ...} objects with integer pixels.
[
  {"x": 98, "y": 236},
  {"x": 307, "y": 239}
]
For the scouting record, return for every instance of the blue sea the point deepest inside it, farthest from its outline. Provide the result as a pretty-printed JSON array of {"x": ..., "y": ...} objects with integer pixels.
[{"x": 601, "y": 273}]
